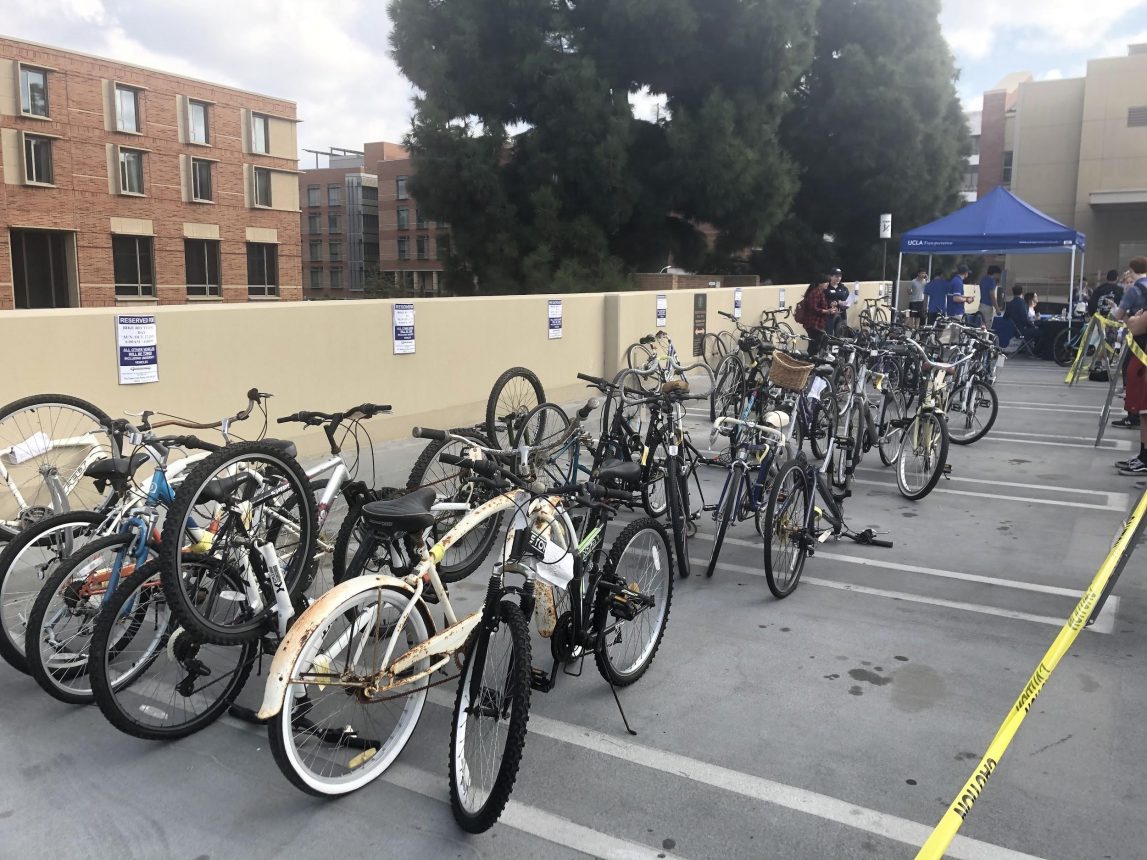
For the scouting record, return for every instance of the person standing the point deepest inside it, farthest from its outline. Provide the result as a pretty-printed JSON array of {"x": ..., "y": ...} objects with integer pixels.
[
  {"x": 837, "y": 293},
  {"x": 814, "y": 311},
  {"x": 956, "y": 297},
  {"x": 989, "y": 286},
  {"x": 1110, "y": 287},
  {"x": 1133, "y": 303},
  {"x": 937, "y": 293},
  {"x": 916, "y": 297}
]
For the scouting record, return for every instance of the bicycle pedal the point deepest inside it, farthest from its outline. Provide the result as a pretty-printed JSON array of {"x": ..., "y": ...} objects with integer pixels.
[
  {"x": 823, "y": 536},
  {"x": 540, "y": 680},
  {"x": 947, "y": 470}
]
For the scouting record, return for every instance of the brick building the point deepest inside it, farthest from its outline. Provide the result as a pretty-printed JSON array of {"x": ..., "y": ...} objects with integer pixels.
[
  {"x": 120, "y": 185},
  {"x": 339, "y": 226}
]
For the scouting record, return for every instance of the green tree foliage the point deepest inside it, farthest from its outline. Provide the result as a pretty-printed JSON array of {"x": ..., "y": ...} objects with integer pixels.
[
  {"x": 524, "y": 140},
  {"x": 877, "y": 127}
]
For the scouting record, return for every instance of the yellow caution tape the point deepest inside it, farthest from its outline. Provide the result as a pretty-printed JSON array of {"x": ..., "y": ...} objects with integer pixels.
[
  {"x": 1104, "y": 322},
  {"x": 945, "y": 831}
]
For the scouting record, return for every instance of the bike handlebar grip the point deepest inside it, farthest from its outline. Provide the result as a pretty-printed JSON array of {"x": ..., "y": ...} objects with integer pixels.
[
  {"x": 427, "y": 433},
  {"x": 886, "y": 544},
  {"x": 454, "y": 460},
  {"x": 593, "y": 380},
  {"x": 585, "y": 411},
  {"x": 297, "y": 416},
  {"x": 726, "y": 314},
  {"x": 254, "y": 394}
]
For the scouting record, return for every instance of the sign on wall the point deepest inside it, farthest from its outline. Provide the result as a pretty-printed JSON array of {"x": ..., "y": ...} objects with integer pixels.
[
  {"x": 555, "y": 318},
  {"x": 737, "y": 303},
  {"x": 700, "y": 318},
  {"x": 886, "y": 225},
  {"x": 781, "y": 297},
  {"x": 403, "y": 328},
  {"x": 662, "y": 310},
  {"x": 136, "y": 349}
]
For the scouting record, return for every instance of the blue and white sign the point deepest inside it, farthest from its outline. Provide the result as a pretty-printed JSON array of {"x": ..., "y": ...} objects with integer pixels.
[
  {"x": 781, "y": 297},
  {"x": 403, "y": 328},
  {"x": 737, "y": 303},
  {"x": 136, "y": 349},
  {"x": 662, "y": 310},
  {"x": 555, "y": 318}
]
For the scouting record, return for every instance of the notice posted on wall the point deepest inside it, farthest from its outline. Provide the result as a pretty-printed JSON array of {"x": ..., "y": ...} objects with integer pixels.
[
  {"x": 737, "y": 303},
  {"x": 403, "y": 328},
  {"x": 555, "y": 318},
  {"x": 662, "y": 310},
  {"x": 137, "y": 352},
  {"x": 781, "y": 297}
]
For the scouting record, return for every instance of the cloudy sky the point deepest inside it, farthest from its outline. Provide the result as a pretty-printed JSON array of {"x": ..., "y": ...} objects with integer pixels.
[{"x": 333, "y": 59}]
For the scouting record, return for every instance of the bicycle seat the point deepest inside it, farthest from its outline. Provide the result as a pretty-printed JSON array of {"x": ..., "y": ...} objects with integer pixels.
[
  {"x": 825, "y": 369},
  {"x": 115, "y": 467},
  {"x": 675, "y": 385},
  {"x": 619, "y": 470},
  {"x": 284, "y": 446},
  {"x": 410, "y": 513}
]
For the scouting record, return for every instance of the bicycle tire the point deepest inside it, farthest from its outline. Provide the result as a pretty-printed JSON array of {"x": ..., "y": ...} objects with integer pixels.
[
  {"x": 726, "y": 512},
  {"x": 502, "y": 413},
  {"x": 245, "y": 625},
  {"x": 939, "y": 427},
  {"x": 481, "y": 817},
  {"x": 728, "y": 395},
  {"x": 823, "y": 416},
  {"x": 87, "y": 419},
  {"x": 654, "y": 497},
  {"x": 981, "y": 390},
  {"x": 68, "y": 683},
  {"x": 354, "y": 729},
  {"x": 785, "y": 537},
  {"x": 121, "y": 698},
  {"x": 677, "y": 493},
  {"x": 636, "y": 666},
  {"x": 31, "y": 555},
  {"x": 464, "y": 557},
  {"x": 712, "y": 350},
  {"x": 1061, "y": 350},
  {"x": 888, "y": 433}
]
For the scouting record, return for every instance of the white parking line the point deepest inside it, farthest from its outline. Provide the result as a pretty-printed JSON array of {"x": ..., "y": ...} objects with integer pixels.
[
  {"x": 1029, "y": 406},
  {"x": 1112, "y": 498},
  {"x": 1105, "y": 445},
  {"x": 1044, "y": 435},
  {"x": 1027, "y": 499}
]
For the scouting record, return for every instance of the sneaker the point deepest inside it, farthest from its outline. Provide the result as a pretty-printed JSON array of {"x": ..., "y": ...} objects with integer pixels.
[
  {"x": 1121, "y": 464},
  {"x": 1134, "y": 466},
  {"x": 1125, "y": 422}
]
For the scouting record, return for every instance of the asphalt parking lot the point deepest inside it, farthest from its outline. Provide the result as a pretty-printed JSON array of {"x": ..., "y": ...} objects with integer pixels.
[{"x": 837, "y": 723}]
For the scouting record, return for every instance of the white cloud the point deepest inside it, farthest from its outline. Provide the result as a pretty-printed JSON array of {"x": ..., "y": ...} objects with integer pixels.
[
  {"x": 978, "y": 29},
  {"x": 332, "y": 60}
]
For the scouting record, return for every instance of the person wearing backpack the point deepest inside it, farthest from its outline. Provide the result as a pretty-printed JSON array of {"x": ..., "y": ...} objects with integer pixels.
[
  {"x": 1133, "y": 304},
  {"x": 814, "y": 311}
]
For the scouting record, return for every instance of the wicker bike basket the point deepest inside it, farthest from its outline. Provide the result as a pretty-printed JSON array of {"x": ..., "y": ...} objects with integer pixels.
[{"x": 789, "y": 373}]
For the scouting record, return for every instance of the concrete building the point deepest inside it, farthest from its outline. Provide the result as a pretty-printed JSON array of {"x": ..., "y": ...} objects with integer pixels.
[
  {"x": 121, "y": 185},
  {"x": 340, "y": 231},
  {"x": 972, "y": 172},
  {"x": 1077, "y": 150}
]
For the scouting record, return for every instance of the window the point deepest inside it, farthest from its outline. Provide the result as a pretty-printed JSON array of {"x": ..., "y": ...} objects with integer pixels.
[
  {"x": 127, "y": 116},
  {"x": 370, "y": 194},
  {"x": 316, "y": 279},
  {"x": 316, "y": 247},
  {"x": 419, "y": 219},
  {"x": 132, "y": 261},
  {"x": 336, "y": 251},
  {"x": 975, "y": 139},
  {"x": 443, "y": 244},
  {"x": 130, "y": 171},
  {"x": 33, "y": 91},
  {"x": 971, "y": 179},
  {"x": 1007, "y": 178},
  {"x": 262, "y": 186},
  {"x": 38, "y": 159},
  {"x": 336, "y": 279},
  {"x": 423, "y": 247},
  {"x": 198, "y": 125},
  {"x": 333, "y": 222},
  {"x": 334, "y": 195},
  {"x": 201, "y": 259},
  {"x": 262, "y": 269},
  {"x": 260, "y": 134},
  {"x": 400, "y": 187},
  {"x": 404, "y": 219},
  {"x": 312, "y": 195},
  {"x": 403, "y": 248},
  {"x": 1137, "y": 116},
  {"x": 201, "y": 180}
]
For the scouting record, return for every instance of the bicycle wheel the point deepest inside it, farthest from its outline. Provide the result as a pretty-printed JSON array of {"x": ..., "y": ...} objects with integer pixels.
[
  {"x": 653, "y": 494},
  {"x": 841, "y": 382},
  {"x": 784, "y": 529},
  {"x": 965, "y": 426},
  {"x": 464, "y": 557},
  {"x": 246, "y": 496},
  {"x": 677, "y": 493},
  {"x": 638, "y": 356},
  {"x": 1062, "y": 350},
  {"x": 923, "y": 453},
  {"x": 58, "y": 639},
  {"x": 544, "y": 425},
  {"x": 728, "y": 395},
  {"x": 726, "y": 514},
  {"x": 162, "y": 683},
  {"x": 712, "y": 350},
  {"x": 25, "y": 563},
  {"x": 46, "y": 443},
  {"x": 641, "y": 559},
  {"x": 332, "y": 737},
  {"x": 784, "y": 336},
  {"x": 889, "y": 427},
  {"x": 488, "y": 728},
  {"x": 730, "y": 342},
  {"x": 515, "y": 393},
  {"x": 822, "y": 418}
]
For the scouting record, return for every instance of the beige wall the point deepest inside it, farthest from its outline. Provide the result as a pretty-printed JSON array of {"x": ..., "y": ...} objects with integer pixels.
[{"x": 331, "y": 355}]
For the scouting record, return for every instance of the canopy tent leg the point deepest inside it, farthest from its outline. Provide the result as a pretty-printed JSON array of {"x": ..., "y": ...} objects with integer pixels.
[
  {"x": 929, "y": 267},
  {"x": 896, "y": 283},
  {"x": 1071, "y": 293}
]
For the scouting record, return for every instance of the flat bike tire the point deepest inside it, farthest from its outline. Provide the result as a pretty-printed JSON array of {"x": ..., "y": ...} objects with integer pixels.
[
  {"x": 938, "y": 426},
  {"x": 520, "y": 397},
  {"x": 784, "y": 529},
  {"x": 477, "y": 818},
  {"x": 726, "y": 512},
  {"x": 677, "y": 493},
  {"x": 980, "y": 391}
]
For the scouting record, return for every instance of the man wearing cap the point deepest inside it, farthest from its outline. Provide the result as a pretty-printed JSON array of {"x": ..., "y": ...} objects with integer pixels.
[
  {"x": 836, "y": 292},
  {"x": 988, "y": 288},
  {"x": 956, "y": 297}
]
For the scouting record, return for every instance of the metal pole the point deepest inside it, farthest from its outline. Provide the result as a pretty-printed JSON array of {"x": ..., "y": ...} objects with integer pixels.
[
  {"x": 929, "y": 267},
  {"x": 896, "y": 286},
  {"x": 1071, "y": 293}
]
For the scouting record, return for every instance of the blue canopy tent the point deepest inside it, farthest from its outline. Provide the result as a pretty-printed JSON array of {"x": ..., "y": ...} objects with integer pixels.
[{"x": 997, "y": 223}]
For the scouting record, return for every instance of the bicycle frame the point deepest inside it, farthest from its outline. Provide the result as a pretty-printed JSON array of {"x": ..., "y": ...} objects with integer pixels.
[{"x": 58, "y": 489}]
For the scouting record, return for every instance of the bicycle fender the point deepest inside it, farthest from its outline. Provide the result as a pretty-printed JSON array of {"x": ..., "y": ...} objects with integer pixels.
[{"x": 275, "y": 693}]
